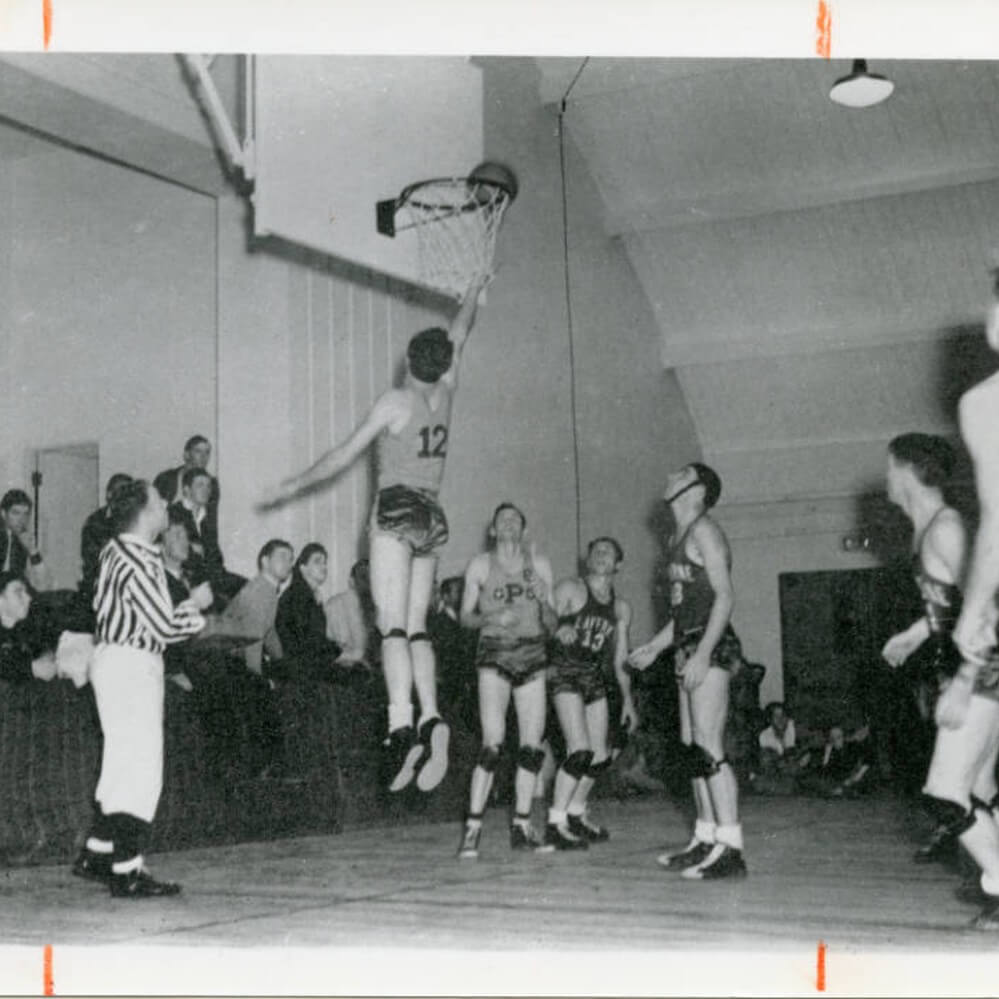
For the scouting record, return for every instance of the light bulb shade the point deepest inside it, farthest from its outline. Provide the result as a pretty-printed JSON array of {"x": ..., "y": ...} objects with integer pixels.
[{"x": 861, "y": 89}]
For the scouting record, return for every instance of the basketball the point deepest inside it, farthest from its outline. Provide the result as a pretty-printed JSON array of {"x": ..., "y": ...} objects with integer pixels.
[{"x": 496, "y": 173}]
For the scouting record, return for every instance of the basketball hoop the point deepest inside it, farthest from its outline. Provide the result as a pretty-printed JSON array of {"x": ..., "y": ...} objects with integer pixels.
[{"x": 456, "y": 222}]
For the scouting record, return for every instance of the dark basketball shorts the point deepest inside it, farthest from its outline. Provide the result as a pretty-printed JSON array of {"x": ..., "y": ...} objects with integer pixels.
[
  {"x": 413, "y": 516},
  {"x": 727, "y": 654},
  {"x": 517, "y": 660},
  {"x": 568, "y": 677}
]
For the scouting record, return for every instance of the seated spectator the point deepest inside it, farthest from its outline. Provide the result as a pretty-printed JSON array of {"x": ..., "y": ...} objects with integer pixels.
[
  {"x": 844, "y": 768},
  {"x": 18, "y": 552},
  {"x": 301, "y": 622},
  {"x": 18, "y": 660},
  {"x": 350, "y": 619},
  {"x": 778, "y": 738},
  {"x": 253, "y": 610},
  {"x": 169, "y": 484},
  {"x": 455, "y": 649},
  {"x": 96, "y": 533},
  {"x": 176, "y": 547}
]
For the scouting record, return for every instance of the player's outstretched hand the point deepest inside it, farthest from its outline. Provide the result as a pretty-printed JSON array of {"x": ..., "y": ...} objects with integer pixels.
[
  {"x": 643, "y": 657},
  {"x": 897, "y": 649}
]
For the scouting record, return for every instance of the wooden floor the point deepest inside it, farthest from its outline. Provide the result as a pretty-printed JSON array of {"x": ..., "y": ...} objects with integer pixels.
[{"x": 838, "y": 872}]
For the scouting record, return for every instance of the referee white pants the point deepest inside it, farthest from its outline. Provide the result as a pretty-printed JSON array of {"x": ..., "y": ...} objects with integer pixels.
[{"x": 128, "y": 687}]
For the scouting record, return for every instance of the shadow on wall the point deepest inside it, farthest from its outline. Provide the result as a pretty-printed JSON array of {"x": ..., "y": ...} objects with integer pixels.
[
  {"x": 964, "y": 359},
  {"x": 659, "y": 521}
]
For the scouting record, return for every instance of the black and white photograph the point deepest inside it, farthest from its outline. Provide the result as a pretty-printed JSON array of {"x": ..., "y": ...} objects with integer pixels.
[{"x": 493, "y": 508}]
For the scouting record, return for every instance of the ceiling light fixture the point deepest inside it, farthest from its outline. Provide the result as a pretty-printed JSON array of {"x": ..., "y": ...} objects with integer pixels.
[{"x": 861, "y": 89}]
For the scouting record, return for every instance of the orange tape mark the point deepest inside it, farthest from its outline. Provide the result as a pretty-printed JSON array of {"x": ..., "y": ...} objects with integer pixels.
[
  {"x": 820, "y": 968},
  {"x": 823, "y": 21},
  {"x": 47, "y": 22},
  {"x": 48, "y": 984}
]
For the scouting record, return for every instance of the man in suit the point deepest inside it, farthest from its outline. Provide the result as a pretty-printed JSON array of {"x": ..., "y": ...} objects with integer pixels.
[{"x": 19, "y": 553}]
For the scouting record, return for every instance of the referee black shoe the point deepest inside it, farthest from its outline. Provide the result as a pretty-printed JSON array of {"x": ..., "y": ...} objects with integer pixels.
[
  {"x": 942, "y": 845},
  {"x": 93, "y": 866},
  {"x": 581, "y": 827},
  {"x": 141, "y": 884}
]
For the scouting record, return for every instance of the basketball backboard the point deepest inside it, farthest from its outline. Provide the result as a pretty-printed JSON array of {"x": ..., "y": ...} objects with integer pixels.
[{"x": 336, "y": 134}]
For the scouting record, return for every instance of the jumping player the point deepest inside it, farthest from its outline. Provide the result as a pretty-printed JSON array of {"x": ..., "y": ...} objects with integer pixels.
[
  {"x": 592, "y": 630},
  {"x": 919, "y": 466},
  {"x": 706, "y": 650},
  {"x": 411, "y": 426},
  {"x": 968, "y": 710},
  {"x": 507, "y": 599}
]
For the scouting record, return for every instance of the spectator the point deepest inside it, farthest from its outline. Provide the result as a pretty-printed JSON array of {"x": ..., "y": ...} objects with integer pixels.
[
  {"x": 254, "y": 608},
  {"x": 176, "y": 547},
  {"x": 350, "y": 619},
  {"x": 18, "y": 552},
  {"x": 845, "y": 768},
  {"x": 197, "y": 452},
  {"x": 779, "y": 736},
  {"x": 96, "y": 533},
  {"x": 301, "y": 621},
  {"x": 455, "y": 649},
  {"x": 18, "y": 662}
]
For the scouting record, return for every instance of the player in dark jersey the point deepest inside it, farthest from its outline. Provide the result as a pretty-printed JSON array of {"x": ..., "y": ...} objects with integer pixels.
[
  {"x": 706, "y": 651},
  {"x": 410, "y": 426},
  {"x": 919, "y": 466},
  {"x": 592, "y": 632},
  {"x": 968, "y": 710},
  {"x": 507, "y": 599}
]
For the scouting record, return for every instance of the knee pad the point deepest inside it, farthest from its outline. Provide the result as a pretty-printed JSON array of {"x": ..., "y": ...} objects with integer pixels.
[
  {"x": 696, "y": 761},
  {"x": 420, "y": 636},
  {"x": 577, "y": 763},
  {"x": 489, "y": 757},
  {"x": 949, "y": 814},
  {"x": 530, "y": 758},
  {"x": 393, "y": 633},
  {"x": 596, "y": 769}
]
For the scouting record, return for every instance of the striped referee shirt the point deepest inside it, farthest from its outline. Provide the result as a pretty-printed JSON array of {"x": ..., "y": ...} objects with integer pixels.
[{"x": 132, "y": 599}]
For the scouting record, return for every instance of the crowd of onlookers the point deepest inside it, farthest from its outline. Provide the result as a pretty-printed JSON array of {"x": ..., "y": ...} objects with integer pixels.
[{"x": 276, "y": 628}]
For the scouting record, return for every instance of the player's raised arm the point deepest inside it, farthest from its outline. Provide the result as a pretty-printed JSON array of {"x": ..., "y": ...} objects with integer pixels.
[
  {"x": 461, "y": 325},
  {"x": 384, "y": 412}
]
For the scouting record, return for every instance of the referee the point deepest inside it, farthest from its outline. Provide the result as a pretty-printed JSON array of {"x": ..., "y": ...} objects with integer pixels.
[{"x": 135, "y": 622}]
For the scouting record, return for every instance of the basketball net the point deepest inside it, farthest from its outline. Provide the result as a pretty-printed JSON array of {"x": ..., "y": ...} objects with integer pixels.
[{"x": 456, "y": 223}]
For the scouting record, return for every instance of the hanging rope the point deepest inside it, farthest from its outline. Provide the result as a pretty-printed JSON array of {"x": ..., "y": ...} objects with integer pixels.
[{"x": 568, "y": 306}]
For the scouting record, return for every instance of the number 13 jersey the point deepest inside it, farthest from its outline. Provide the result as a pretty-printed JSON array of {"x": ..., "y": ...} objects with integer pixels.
[{"x": 415, "y": 455}]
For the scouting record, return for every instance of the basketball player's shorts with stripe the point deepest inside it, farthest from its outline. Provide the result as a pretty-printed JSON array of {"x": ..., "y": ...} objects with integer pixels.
[
  {"x": 726, "y": 655},
  {"x": 412, "y": 516},
  {"x": 569, "y": 676},
  {"x": 517, "y": 660}
]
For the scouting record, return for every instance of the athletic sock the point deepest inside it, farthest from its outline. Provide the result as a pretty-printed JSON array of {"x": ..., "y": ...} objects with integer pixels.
[
  {"x": 556, "y": 817},
  {"x": 704, "y": 831},
  {"x": 95, "y": 845},
  {"x": 730, "y": 836},
  {"x": 524, "y": 821},
  {"x": 989, "y": 884},
  {"x": 400, "y": 716}
]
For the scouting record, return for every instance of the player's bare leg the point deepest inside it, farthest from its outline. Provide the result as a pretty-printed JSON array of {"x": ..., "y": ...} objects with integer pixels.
[
  {"x": 529, "y": 700},
  {"x": 578, "y": 756},
  {"x": 390, "y": 572},
  {"x": 494, "y": 698},
  {"x": 709, "y": 711},
  {"x": 596, "y": 727},
  {"x": 705, "y": 825},
  {"x": 433, "y": 732}
]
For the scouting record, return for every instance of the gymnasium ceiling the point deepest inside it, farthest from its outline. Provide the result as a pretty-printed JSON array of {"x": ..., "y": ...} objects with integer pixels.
[{"x": 816, "y": 274}]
